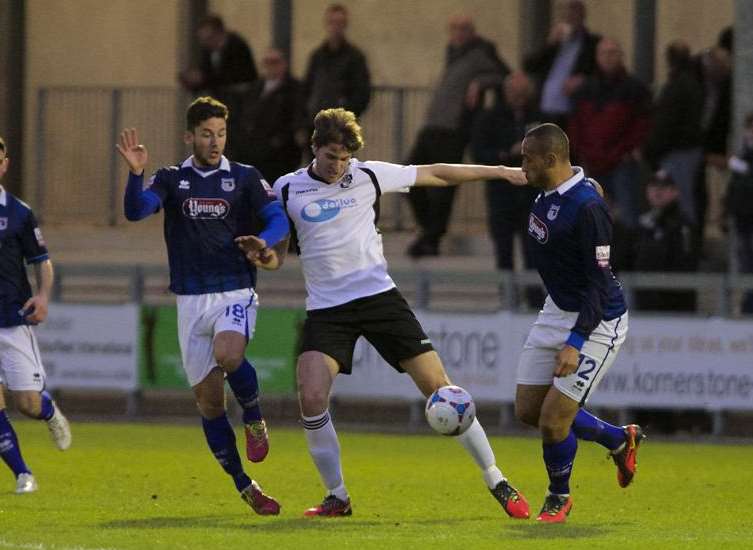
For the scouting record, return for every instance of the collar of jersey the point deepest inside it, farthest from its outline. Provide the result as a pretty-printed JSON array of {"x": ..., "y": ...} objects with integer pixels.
[
  {"x": 313, "y": 175},
  {"x": 3, "y": 196},
  {"x": 224, "y": 166},
  {"x": 569, "y": 183}
]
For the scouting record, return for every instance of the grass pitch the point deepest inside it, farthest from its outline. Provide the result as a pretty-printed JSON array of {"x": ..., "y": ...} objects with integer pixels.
[{"x": 149, "y": 486}]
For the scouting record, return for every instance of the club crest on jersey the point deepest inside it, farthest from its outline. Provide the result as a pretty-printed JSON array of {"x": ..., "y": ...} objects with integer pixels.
[
  {"x": 602, "y": 255},
  {"x": 3, "y": 224},
  {"x": 228, "y": 184},
  {"x": 537, "y": 229},
  {"x": 346, "y": 181},
  {"x": 325, "y": 209},
  {"x": 206, "y": 209},
  {"x": 553, "y": 211}
]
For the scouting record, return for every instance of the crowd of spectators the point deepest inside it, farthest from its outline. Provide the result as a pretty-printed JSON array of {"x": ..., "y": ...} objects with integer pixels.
[{"x": 649, "y": 149}]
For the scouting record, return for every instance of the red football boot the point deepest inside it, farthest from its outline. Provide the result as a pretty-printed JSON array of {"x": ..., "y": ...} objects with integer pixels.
[
  {"x": 262, "y": 504},
  {"x": 513, "y": 502},
  {"x": 556, "y": 509},
  {"x": 257, "y": 441},
  {"x": 330, "y": 507},
  {"x": 626, "y": 457}
]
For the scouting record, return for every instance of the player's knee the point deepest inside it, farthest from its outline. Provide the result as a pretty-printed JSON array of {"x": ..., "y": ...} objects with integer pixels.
[
  {"x": 229, "y": 361},
  {"x": 553, "y": 428},
  {"x": 27, "y": 405},
  {"x": 527, "y": 415}
]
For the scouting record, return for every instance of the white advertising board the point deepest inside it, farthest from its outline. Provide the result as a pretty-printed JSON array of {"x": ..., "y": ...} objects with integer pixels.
[
  {"x": 90, "y": 346},
  {"x": 667, "y": 362}
]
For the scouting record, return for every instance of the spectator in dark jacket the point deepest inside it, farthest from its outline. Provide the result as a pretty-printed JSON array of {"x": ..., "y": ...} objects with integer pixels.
[
  {"x": 665, "y": 243},
  {"x": 226, "y": 71},
  {"x": 273, "y": 114},
  {"x": 674, "y": 144},
  {"x": 496, "y": 139},
  {"x": 562, "y": 65},
  {"x": 609, "y": 125},
  {"x": 337, "y": 74},
  {"x": 471, "y": 66}
]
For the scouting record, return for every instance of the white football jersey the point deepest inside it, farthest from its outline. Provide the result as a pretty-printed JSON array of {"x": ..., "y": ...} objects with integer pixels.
[{"x": 341, "y": 249}]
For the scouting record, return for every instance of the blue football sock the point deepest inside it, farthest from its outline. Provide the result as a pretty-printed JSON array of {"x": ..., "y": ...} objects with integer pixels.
[
  {"x": 559, "y": 458},
  {"x": 221, "y": 439},
  {"x": 590, "y": 428},
  {"x": 10, "y": 450},
  {"x": 246, "y": 390},
  {"x": 48, "y": 407}
]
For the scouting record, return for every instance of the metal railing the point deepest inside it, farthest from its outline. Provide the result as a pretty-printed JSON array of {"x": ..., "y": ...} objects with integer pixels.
[
  {"x": 427, "y": 289},
  {"x": 79, "y": 177}
]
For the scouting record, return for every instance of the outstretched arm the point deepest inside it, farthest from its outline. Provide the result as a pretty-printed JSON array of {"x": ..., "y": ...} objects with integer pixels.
[
  {"x": 440, "y": 175},
  {"x": 137, "y": 203}
]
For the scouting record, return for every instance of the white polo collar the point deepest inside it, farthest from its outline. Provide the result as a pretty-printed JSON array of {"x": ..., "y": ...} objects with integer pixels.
[
  {"x": 569, "y": 183},
  {"x": 224, "y": 166},
  {"x": 3, "y": 196}
]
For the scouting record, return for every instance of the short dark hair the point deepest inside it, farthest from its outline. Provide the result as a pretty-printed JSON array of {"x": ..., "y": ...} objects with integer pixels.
[
  {"x": 551, "y": 139},
  {"x": 337, "y": 126},
  {"x": 2, "y": 145},
  {"x": 215, "y": 22},
  {"x": 203, "y": 108},
  {"x": 337, "y": 7}
]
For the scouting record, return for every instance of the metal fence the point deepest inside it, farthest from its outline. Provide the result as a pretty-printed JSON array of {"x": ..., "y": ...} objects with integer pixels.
[{"x": 81, "y": 179}]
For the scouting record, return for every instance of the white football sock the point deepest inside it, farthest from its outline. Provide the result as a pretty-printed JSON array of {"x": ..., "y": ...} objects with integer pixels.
[
  {"x": 325, "y": 450},
  {"x": 475, "y": 442}
]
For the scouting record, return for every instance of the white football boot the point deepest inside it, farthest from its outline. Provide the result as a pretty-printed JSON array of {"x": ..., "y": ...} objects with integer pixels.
[
  {"x": 60, "y": 430},
  {"x": 25, "y": 483}
]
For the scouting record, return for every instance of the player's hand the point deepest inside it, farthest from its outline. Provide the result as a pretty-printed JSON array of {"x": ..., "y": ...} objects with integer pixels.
[
  {"x": 253, "y": 247},
  {"x": 36, "y": 308},
  {"x": 513, "y": 175},
  {"x": 135, "y": 154},
  {"x": 268, "y": 260},
  {"x": 567, "y": 361}
]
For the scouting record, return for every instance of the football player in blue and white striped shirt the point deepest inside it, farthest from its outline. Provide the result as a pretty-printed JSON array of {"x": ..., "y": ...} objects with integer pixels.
[
  {"x": 582, "y": 325},
  {"x": 208, "y": 202}
]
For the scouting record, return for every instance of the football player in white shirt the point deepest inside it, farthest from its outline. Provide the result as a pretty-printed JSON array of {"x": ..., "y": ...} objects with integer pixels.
[{"x": 333, "y": 204}]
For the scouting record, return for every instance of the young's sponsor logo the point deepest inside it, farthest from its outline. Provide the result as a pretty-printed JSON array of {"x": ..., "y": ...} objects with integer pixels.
[
  {"x": 325, "y": 209},
  {"x": 537, "y": 229},
  {"x": 206, "y": 209}
]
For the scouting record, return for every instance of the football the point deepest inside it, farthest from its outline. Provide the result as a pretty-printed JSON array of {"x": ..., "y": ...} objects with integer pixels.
[{"x": 450, "y": 410}]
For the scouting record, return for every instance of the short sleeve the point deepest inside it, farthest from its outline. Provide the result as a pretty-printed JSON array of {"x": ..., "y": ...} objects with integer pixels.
[
  {"x": 392, "y": 177},
  {"x": 33, "y": 246}
]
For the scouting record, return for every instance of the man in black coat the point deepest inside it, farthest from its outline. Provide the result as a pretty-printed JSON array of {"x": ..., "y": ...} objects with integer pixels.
[
  {"x": 273, "y": 115},
  {"x": 563, "y": 63},
  {"x": 337, "y": 74}
]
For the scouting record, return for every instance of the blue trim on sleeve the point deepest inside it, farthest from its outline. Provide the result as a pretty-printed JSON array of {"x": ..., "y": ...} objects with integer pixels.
[
  {"x": 276, "y": 223},
  {"x": 139, "y": 203},
  {"x": 576, "y": 340},
  {"x": 37, "y": 259}
]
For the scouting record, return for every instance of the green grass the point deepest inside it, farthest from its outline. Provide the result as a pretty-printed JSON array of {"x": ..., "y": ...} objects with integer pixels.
[{"x": 157, "y": 486}]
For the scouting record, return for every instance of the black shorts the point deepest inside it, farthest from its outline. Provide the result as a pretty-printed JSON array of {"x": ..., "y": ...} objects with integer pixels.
[{"x": 384, "y": 319}]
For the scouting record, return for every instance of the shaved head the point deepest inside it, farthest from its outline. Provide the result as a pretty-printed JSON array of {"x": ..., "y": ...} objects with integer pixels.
[{"x": 550, "y": 138}]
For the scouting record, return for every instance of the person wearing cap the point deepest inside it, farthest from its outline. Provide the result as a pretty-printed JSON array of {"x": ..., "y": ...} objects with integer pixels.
[{"x": 664, "y": 242}]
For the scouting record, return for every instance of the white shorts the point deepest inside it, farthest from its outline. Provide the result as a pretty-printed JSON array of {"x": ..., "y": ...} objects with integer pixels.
[
  {"x": 20, "y": 363},
  {"x": 202, "y": 316},
  {"x": 548, "y": 336}
]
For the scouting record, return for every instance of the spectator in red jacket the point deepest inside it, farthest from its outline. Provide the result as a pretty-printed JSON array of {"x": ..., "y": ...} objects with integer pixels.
[{"x": 609, "y": 124}]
